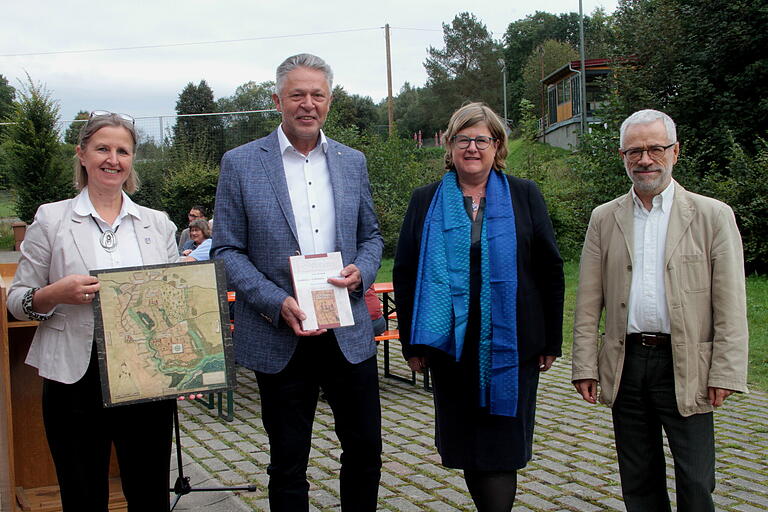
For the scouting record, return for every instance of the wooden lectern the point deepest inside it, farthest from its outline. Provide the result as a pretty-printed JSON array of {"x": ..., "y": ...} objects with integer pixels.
[{"x": 27, "y": 475}]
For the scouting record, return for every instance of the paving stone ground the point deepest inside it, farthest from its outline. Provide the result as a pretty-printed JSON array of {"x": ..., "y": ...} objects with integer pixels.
[{"x": 573, "y": 469}]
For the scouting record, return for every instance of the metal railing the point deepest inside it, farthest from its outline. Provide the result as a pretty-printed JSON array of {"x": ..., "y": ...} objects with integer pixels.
[{"x": 223, "y": 130}]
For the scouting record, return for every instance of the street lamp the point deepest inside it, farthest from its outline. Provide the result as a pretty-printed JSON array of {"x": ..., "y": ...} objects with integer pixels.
[
  {"x": 583, "y": 78},
  {"x": 503, "y": 65}
]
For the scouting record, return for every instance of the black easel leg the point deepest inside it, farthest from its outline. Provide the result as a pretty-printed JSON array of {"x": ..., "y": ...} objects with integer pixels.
[{"x": 182, "y": 485}]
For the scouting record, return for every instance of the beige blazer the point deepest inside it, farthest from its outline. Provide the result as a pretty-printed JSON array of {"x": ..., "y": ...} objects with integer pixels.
[
  {"x": 705, "y": 287},
  {"x": 56, "y": 245}
]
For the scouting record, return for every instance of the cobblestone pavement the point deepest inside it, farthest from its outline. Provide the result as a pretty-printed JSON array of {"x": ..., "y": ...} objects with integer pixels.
[{"x": 573, "y": 468}]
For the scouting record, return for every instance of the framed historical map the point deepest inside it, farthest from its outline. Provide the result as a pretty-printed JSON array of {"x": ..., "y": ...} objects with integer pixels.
[{"x": 163, "y": 331}]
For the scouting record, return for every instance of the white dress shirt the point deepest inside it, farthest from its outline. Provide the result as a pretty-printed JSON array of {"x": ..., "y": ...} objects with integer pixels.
[
  {"x": 127, "y": 252},
  {"x": 648, "y": 310},
  {"x": 309, "y": 186}
]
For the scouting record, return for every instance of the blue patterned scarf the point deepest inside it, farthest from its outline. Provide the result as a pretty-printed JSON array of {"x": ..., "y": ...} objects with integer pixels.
[{"x": 441, "y": 305}]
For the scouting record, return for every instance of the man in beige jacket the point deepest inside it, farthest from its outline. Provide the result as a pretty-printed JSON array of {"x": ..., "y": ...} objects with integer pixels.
[{"x": 667, "y": 267}]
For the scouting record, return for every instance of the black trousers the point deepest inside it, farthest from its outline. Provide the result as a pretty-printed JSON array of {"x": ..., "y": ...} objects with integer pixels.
[
  {"x": 288, "y": 403},
  {"x": 645, "y": 405},
  {"x": 80, "y": 434}
]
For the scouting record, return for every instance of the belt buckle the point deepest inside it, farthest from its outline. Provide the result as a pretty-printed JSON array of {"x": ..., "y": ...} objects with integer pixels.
[{"x": 643, "y": 337}]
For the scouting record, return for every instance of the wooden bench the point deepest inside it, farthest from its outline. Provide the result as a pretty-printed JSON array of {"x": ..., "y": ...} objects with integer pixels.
[{"x": 386, "y": 337}]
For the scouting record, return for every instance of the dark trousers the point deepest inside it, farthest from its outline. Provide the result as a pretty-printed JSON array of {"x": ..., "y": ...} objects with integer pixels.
[
  {"x": 288, "y": 403},
  {"x": 80, "y": 434},
  {"x": 645, "y": 405}
]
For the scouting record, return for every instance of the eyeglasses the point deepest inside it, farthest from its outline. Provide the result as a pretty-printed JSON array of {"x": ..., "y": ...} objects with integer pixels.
[
  {"x": 481, "y": 142},
  {"x": 104, "y": 113},
  {"x": 636, "y": 154}
]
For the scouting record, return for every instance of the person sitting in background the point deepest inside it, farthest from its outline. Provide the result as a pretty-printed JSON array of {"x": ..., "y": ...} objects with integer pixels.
[
  {"x": 195, "y": 213},
  {"x": 199, "y": 230},
  {"x": 200, "y": 234},
  {"x": 374, "y": 309}
]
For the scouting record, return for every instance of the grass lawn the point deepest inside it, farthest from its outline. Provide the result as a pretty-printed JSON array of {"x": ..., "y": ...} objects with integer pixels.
[
  {"x": 520, "y": 152},
  {"x": 385, "y": 272},
  {"x": 757, "y": 313},
  {"x": 6, "y": 204}
]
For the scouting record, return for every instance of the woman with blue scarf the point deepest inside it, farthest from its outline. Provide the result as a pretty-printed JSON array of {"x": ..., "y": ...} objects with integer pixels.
[{"x": 479, "y": 290}]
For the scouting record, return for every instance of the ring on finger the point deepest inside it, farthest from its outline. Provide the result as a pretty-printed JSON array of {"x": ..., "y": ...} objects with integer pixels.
[{"x": 86, "y": 296}]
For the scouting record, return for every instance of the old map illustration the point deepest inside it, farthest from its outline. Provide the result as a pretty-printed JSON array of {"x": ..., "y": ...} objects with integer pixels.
[{"x": 163, "y": 332}]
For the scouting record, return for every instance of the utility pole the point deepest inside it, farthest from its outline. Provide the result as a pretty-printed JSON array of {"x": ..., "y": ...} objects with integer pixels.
[
  {"x": 390, "y": 105},
  {"x": 583, "y": 84}
]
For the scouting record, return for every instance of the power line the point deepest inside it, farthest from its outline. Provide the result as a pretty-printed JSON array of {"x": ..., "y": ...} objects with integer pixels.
[
  {"x": 219, "y": 41},
  {"x": 428, "y": 29},
  {"x": 419, "y": 29},
  {"x": 198, "y": 43}
]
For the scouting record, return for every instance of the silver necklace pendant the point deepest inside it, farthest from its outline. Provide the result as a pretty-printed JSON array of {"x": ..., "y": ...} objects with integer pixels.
[
  {"x": 108, "y": 240},
  {"x": 475, "y": 205}
]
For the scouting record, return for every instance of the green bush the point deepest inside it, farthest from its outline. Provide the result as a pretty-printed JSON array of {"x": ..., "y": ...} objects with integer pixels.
[
  {"x": 744, "y": 186},
  {"x": 5, "y": 180},
  {"x": 152, "y": 174},
  {"x": 7, "y": 239},
  {"x": 395, "y": 168},
  {"x": 529, "y": 123},
  {"x": 549, "y": 167},
  {"x": 189, "y": 182}
]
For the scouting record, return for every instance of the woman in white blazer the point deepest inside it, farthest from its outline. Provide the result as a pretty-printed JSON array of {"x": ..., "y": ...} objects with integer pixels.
[{"x": 100, "y": 228}]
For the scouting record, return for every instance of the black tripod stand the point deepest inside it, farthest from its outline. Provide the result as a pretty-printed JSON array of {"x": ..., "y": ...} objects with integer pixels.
[{"x": 182, "y": 485}]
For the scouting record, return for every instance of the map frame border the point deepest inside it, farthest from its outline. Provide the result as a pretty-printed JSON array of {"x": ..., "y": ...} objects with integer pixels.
[{"x": 99, "y": 336}]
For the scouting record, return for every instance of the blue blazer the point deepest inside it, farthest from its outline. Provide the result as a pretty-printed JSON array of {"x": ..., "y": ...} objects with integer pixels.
[{"x": 256, "y": 234}]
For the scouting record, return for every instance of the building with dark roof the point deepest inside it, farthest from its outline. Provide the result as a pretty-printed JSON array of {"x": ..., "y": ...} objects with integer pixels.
[{"x": 561, "y": 123}]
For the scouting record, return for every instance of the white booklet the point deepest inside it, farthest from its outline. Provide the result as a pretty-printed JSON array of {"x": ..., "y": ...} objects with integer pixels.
[{"x": 326, "y": 306}]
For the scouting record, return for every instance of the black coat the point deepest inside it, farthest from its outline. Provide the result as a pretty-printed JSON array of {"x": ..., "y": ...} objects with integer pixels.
[{"x": 541, "y": 284}]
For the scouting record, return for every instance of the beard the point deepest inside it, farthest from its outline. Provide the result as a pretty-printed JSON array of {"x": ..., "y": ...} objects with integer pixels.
[{"x": 646, "y": 185}]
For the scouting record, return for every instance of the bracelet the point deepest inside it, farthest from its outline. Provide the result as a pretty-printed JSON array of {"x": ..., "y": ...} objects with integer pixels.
[{"x": 26, "y": 307}]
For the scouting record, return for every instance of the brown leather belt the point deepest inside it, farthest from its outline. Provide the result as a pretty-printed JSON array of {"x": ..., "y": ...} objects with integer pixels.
[{"x": 649, "y": 339}]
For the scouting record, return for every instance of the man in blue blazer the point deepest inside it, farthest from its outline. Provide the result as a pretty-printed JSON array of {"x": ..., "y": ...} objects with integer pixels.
[{"x": 297, "y": 192}]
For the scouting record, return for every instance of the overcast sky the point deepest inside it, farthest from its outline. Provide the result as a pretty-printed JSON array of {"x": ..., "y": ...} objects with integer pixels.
[{"x": 146, "y": 82}]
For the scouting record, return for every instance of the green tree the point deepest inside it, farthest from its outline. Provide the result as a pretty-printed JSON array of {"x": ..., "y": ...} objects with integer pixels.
[
  {"x": 525, "y": 35},
  {"x": 703, "y": 62},
  {"x": 191, "y": 181},
  {"x": 465, "y": 69},
  {"x": 743, "y": 185},
  {"x": 413, "y": 111},
  {"x": 7, "y": 95},
  {"x": 199, "y": 134},
  {"x": 395, "y": 168},
  {"x": 152, "y": 176},
  {"x": 352, "y": 109},
  {"x": 545, "y": 58},
  {"x": 392, "y": 190},
  {"x": 72, "y": 133},
  {"x": 242, "y": 128},
  {"x": 37, "y": 169}
]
